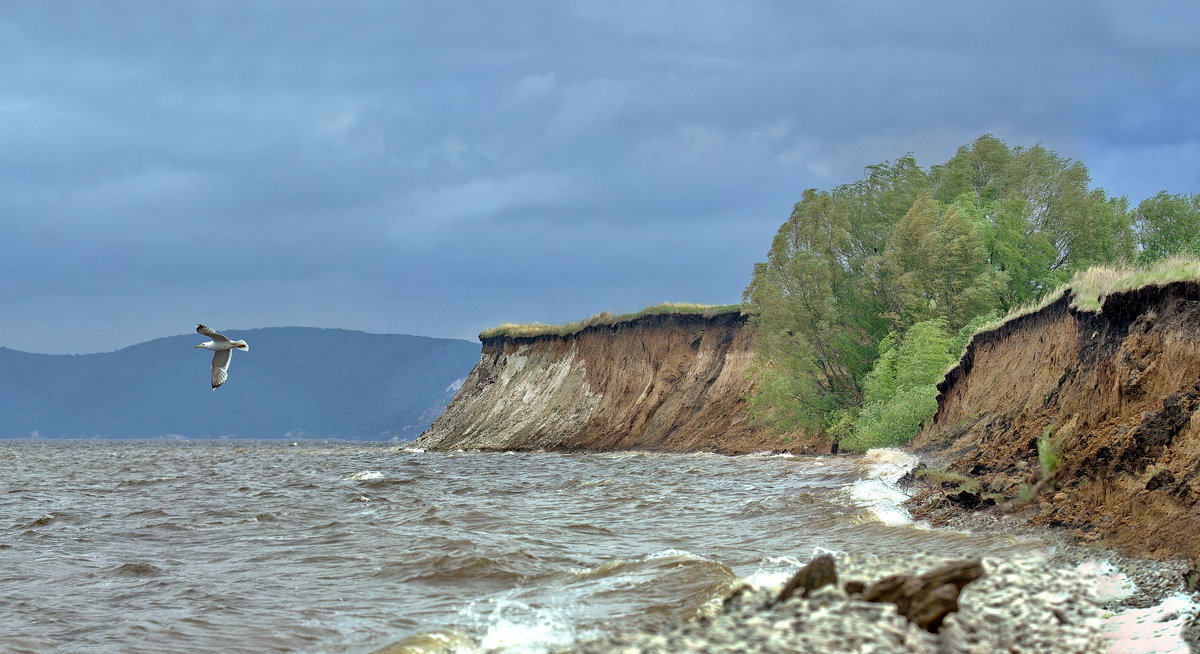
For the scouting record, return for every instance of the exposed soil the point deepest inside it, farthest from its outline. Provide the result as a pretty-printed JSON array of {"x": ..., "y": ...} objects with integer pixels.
[
  {"x": 667, "y": 382},
  {"x": 1115, "y": 393}
]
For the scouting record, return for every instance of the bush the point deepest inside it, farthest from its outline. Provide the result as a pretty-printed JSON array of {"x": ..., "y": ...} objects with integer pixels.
[
  {"x": 895, "y": 422},
  {"x": 900, "y": 391}
]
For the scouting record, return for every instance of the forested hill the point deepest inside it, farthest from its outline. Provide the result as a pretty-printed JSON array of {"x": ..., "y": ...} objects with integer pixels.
[{"x": 295, "y": 382}]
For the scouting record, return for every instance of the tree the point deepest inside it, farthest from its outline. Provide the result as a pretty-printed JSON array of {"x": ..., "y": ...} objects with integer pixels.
[
  {"x": 992, "y": 228},
  {"x": 901, "y": 387},
  {"x": 814, "y": 310},
  {"x": 1167, "y": 225},
  {"x": 936, "y": 266}
]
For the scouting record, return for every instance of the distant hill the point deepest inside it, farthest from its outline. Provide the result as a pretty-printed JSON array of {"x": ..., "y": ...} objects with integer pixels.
[{"x": 295, "y": 382}]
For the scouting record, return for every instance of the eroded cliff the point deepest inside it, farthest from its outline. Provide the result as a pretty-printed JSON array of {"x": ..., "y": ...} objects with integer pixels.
[
  {"x": 1113, "y": 392},
  {"x": 671, "y": 382}
]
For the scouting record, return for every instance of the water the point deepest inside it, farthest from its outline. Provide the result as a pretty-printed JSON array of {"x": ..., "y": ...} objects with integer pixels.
[{"x": 348, "y": 547}]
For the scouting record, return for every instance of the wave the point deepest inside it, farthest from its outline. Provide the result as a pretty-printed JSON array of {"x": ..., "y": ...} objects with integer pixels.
[
  {"x": 441, "y": 641},
  {"x": 515, "y": 627},
  {"x": 37, "y": 522},
  {"x": 137, "y": 570},
  {"x": 501, "y": 567},
  {"x": 145, "y": 482},
  {"x": 775, "y": 571},
  {"x": 771, "y": 454},
  {"x": 589, "y": 529},
  {"x": 622, "y": 594},
  {"x": 879, "y": 491},
  {"x": 365, "y": 475}
]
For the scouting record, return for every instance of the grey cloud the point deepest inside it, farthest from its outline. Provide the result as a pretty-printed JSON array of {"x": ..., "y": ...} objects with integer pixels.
[{"x": 435, "y": 168}]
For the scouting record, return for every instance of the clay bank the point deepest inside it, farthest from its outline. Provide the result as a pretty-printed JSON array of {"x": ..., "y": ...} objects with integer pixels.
[
  {"x": 660, "y": 380},
  {"x": 1112, "y": 394}
]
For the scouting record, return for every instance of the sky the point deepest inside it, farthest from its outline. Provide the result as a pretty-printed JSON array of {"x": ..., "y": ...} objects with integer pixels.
[{"x": 439, "y": 168}]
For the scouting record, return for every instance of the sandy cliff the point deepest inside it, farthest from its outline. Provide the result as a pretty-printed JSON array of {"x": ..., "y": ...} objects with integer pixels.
[
  {"x": 1116, "y": 391},
  {"x": 672, "y": 382}
]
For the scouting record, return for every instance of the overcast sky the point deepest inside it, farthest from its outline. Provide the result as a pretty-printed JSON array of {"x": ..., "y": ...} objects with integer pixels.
[{"x": 438, "y": 168}]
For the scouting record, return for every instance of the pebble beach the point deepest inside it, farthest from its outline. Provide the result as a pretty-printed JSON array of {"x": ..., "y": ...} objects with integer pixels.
[{"x": 1069, "y": 599}]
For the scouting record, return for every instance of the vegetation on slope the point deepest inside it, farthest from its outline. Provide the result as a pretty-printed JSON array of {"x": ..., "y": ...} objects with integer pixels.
[
  {"x": 870, "y": 291},
  {"x": 606, "y": 318}
]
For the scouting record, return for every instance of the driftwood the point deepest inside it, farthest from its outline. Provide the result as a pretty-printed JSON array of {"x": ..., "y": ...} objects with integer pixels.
[
  {"x": 928, "y": 598},
  {"x": 925, "y": 600}
]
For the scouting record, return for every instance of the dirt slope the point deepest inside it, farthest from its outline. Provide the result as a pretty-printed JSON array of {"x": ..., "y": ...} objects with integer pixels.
[
  {"x": 1115, "y": 391},
  {"x": 671, "y": 382}
]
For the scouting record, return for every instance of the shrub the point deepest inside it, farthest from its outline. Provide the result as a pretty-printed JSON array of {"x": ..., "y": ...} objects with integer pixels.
[{"x": 900, "y": 392}]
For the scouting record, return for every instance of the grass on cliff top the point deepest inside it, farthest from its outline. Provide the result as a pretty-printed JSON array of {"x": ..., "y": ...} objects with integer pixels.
[
  {"x": 1089, "y": 287},
  {"x": 606, "y": 318}
]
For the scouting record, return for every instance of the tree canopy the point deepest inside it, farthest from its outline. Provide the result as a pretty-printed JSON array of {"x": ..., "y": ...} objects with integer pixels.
[{"x": 867, "y": 289}]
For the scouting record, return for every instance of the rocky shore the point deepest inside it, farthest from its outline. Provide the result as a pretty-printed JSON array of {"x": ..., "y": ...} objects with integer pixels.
[{"x": 1065, "y": 599}]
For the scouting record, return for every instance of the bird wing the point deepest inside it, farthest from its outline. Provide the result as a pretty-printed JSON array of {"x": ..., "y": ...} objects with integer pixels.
[
  {"x": 220, "y": 367},
  {"x": 208, "y": 331}
]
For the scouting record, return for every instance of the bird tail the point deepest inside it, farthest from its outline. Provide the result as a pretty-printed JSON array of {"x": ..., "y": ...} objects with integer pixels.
[{"x": 241, "y": 345}]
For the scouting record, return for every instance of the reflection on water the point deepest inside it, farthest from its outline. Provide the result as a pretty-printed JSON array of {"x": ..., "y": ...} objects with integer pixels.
[{"x": 346, "y": 547}]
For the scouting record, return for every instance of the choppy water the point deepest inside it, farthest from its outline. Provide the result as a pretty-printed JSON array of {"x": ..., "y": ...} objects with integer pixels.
[{"x": 349, "y": 547}]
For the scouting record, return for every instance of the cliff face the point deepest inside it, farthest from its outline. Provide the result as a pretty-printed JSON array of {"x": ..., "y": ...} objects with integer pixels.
[
  {"x": 1115, "y": 391},
  {"x": 672, "y": 382}
]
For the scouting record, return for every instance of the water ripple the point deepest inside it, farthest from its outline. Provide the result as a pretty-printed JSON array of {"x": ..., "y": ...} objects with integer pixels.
[{"x": 121, "y": 546}]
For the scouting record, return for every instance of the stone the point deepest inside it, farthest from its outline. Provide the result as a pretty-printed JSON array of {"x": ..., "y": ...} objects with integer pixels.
[{"x": 819, "y": 572}]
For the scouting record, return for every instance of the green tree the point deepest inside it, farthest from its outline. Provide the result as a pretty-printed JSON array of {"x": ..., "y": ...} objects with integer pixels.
[
  {"x": 1167, "y": 225},
  {"x": 814, "y": 310},
  {"x": 974, "y": 170},
  {"x": 902, "y": 386},
  {"x": 1044, "y": 202},
  {"x": 935, "y": 265},
  {"x": 992, "y": 228},
  {"x": 1083, "y": 224}
]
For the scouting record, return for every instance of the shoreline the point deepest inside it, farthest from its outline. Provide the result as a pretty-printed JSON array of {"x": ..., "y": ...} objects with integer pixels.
[{"x": 1062, "y": 597}]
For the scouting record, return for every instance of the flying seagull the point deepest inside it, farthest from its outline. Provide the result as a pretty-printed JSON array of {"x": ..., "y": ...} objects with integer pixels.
[{"x": 222, "y": 350}]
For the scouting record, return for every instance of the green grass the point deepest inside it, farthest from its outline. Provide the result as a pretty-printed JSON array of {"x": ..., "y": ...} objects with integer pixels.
[
  {"x": 606, "y": 318},
  {"x": 1089, "y": 287},
  {"x": 942, "y": 476},
  {"x": 1049, "y": 459}
]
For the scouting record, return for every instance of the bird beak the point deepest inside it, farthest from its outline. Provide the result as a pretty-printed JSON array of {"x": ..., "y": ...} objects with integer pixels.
[{"x": 195, "y": 346}]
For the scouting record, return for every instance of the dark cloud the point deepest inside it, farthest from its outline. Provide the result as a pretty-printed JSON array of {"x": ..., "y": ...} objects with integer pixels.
[{"x": 436, "y": 168}]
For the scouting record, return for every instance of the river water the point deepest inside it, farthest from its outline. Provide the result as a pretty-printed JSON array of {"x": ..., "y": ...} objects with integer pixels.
[{"x": 236, "y": 546}]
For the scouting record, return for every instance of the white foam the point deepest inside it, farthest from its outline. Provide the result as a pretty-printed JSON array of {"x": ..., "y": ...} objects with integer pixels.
[
  {"x": 1153, "y": 630},
  {"x": 878, "y": 490},
  {"x": 516, "y": 628},
  {"x": 773, "y": 572},
  {"x": 772, "y": 454},
  {"x": 413, "y": 450},
  {"x": 365, "y": 475},
  {"x": 1107, "y": 583},
  {"x": 888, "y": 463}
]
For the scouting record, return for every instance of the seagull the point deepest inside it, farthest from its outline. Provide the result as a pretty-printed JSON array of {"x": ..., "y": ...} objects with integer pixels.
[{"x": 222, "y": 350}]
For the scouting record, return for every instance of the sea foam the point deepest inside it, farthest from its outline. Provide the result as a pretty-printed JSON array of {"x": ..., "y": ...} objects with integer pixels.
[
  {"x": 879, "y": 491},
  {"x": 515, "y": 627},
  {"x": 1154, "y": 630}
]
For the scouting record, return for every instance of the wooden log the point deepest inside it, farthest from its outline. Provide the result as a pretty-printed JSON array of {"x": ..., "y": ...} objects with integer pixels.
[{"x": 926, "y": 599}]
